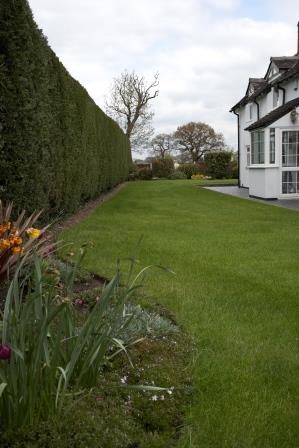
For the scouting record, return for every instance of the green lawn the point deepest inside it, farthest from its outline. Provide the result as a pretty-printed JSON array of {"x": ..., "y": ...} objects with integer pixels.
[{"x": 236, "y": 290}]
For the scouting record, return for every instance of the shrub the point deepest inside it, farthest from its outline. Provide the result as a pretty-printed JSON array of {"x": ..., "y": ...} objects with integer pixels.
[
  {"x": 146, "y": 323},
  {"x": 177, "y": 175},
  {"x": 57, "y": 147},
  {"x": 234, "y": 170},
  {"x": 198, "y": 177},
  {"x": 189, "y": 169},
  {"x": 145, "y": 174},
  {"x": 218, "y": 164},
  {"x": 163, "y": 167},
  {"x": 133, "y": 172}
]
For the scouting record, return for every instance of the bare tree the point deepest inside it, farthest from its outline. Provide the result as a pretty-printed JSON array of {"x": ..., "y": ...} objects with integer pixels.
[
  {"x": 129, "y": 106},
  {"x": 197, "y": 139},
  {"x": 162, "y": 145}
]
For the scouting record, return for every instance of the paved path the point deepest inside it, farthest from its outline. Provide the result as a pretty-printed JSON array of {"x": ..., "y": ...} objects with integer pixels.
[{"x": 292, "y": 204}]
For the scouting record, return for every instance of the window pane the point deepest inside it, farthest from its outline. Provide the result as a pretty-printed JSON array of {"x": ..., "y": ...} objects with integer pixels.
[
  {"x": 257, "y": 147},
  {"x": 290, "y": 148},
  {"x": 290, "y": 182}
]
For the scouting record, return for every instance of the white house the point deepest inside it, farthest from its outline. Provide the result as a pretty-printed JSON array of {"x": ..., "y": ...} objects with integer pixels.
[{"x": 268, "y": 131}]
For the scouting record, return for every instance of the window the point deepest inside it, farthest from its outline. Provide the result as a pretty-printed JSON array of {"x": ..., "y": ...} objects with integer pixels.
[
  {"x": 272, "y": 145},
  {"x": 248, "y": 155},
  {"x": 290, "y": 148},
  {"x": 275, "y": 97},
  {"x": 257, "y": 147},
  {"x": 250, "y": 111},
  {"x": 290, "y": 182}
]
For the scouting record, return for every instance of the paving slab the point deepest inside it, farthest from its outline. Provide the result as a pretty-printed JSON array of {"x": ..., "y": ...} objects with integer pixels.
[{"x": 292, "y": 204}]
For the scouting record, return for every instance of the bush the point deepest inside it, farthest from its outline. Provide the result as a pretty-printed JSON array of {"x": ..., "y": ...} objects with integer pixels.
[
  {"x": 163, "y": 167},
  {"x": 234, "y": 170},
  {"x": 57, "y": 147},
  {"x": 189, "y": 169},
  {"x": 133, "y": 172},
  {"x": 198, "y": 177},
  {"x": 218, "y": 164},
  {"x": 177, "y": 175},
  {"x": 145, "y": 174}
]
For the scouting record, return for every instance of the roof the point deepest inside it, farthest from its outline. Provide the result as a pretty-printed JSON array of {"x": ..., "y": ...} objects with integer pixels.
[
  {"x": 287, "y": 65},
  {"x": 284, "y": 62},
  {"x": 274, "y": 115},
  {"x": 289, "y": 74},
  {"x": 260, "y": 88}
]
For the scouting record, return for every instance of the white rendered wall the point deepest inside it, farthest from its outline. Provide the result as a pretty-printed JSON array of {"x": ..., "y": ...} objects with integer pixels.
[{"x": 265, "y": 180}]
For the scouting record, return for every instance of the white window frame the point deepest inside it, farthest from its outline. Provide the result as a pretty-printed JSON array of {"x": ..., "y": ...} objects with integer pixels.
[
  {"x": 272, "y": 149},
  {"x": 260, "y": 132},
  {"x": 248, "y": 156},
  {"x": 287, "y": 168}
]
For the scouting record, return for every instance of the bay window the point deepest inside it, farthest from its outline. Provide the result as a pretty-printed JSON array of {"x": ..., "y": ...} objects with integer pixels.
[
  {"x": 272, "y": 146},
  {"x": 257, "y": 147}
]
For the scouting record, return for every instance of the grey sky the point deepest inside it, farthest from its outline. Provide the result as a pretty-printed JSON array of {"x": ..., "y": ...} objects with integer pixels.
[{"x": 204, "y": 50}]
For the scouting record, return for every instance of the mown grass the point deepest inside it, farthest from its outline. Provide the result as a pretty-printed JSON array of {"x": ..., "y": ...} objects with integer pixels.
[{"x": 235, "y": 290}]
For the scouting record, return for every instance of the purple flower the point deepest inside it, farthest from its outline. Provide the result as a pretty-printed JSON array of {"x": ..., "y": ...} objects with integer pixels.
[
  {"x": 79, "y": 302},
  {"x": 5, "y": 351}
]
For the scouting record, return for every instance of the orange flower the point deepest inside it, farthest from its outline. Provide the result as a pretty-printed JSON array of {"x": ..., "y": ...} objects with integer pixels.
[
  {"x": 5, "y": 243},
  {"x": 17, "y": 250},
  {"x": 17, "y": 240}
]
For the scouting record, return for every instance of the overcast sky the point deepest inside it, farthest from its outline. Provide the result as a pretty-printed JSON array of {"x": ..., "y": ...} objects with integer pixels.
[{"x": 204, "y": 50}]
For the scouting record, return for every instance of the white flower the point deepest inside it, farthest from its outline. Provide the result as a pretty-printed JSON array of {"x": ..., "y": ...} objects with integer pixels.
[
  {"x": 162, "y": 397},
  {"x": 170, "y": 390},
  {"x": 123, "y": 380},
  {"x": 154, "y": 398}
]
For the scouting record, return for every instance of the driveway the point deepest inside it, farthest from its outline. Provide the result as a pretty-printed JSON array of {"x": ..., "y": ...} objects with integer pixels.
[{"x": 292, "y": 204}]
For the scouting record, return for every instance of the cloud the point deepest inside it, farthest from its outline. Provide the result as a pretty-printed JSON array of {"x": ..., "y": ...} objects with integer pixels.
[{"x": 204, "y": 50}]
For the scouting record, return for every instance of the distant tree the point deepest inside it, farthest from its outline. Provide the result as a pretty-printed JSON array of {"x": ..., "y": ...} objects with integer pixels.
[
  {"x": 162, "y": 145},
  {"x": 198, "y": 139},
  {"x": 129, "y": 105}
]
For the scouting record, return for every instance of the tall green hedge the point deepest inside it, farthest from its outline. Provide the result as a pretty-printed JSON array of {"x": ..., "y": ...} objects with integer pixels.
[{"x": 57, "y": 147}]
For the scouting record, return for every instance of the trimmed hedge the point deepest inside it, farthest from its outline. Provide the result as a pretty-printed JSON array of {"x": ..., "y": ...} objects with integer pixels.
[
  {"x": 57, "y": 147},
  {"x": 162, "y": 167}
]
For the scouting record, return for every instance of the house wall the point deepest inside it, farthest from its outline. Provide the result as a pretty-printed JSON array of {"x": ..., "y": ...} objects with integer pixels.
[
  {"x": 292, "y": 89},
  {"x": 265, "y": 180}
]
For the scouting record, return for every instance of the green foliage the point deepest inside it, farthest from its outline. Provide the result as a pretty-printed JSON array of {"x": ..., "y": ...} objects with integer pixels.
[
  {"x": 133, "y": 172},
  {"x": 163, "y": 167},
  {"x": 146, "y": 323},
  {"x": 114, "y": 416},
  {"x": 50, "y": 351},
  {"x": 234, "y": 169},
  {"x": 57, "y": 147},
  {"x": 145, "y": 174},
  {"x": 189, "y": 169},
  {"x": 218, "y": 164},
  {"x": 176, "y": 175}
]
